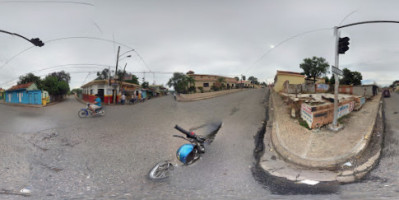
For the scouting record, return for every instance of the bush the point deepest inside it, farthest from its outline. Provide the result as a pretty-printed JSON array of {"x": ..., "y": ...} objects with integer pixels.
[
  {"x": 201, "y": 89},
  {"x": 191, "y": 89}
]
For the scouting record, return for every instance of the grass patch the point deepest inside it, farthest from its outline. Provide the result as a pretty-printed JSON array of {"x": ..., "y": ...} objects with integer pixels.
[{"x": 303, "y": 123}]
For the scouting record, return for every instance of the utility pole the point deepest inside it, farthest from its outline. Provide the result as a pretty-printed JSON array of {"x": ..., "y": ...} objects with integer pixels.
[{"x": 116, "y": 72}]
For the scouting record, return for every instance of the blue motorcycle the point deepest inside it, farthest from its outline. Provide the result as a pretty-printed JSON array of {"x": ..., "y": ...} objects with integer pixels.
[
  {"x": 86, "y": 112},
  {"x": 187, "y": 154}
]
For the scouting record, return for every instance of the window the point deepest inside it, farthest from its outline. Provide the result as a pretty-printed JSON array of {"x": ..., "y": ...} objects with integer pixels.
[
  {"x": 206, "y": 84},
  {"x": 91, "y": 91}
]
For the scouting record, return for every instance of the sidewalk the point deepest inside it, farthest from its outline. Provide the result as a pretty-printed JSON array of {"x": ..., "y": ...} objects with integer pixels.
[
  {"x": 205, "y": 95},
  {"x": 300, "y": 154}
]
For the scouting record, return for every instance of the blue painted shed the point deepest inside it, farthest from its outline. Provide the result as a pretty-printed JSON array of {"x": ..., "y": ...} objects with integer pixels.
[{"x": 24, "y": 94}]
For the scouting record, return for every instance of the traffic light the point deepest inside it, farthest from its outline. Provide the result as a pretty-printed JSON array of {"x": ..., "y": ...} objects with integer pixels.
[
  {"x": 343, "y": 45},
  {"x": 37, "y": 42}
]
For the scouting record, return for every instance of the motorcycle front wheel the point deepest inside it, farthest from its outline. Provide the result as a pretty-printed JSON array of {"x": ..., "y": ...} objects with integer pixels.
[
  {"x": 161, "y": 170},
  {"x": 82, "y": 113}
]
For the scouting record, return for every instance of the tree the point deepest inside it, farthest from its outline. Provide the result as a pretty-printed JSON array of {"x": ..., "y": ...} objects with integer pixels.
[
  {"x": 103, "y": 75},
  {"x": 220, "y": 82},
  {"x": 61, "y": 76},
  {"x": 56, "y": 83},
  {"x": 28, "y": 78},
  {"x": 179, "y": 81},
  {"x": 351, "y": 77},
  {"x": 237, "y": 79},
  {"x": 243, "y": 77},
  {"x": 253, "y": 80},
  {"x": 314, "y": 67},
  {"x": 134, "y": 80},
  {"x": 54, "y": 86},
  {"x": 145, "y": 84}
]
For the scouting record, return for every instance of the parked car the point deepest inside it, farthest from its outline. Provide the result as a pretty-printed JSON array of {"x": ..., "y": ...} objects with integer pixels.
[{"x": 386, "y": 93}]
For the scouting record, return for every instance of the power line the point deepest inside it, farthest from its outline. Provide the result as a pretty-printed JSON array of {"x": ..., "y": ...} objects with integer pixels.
[
  {"x": 82, "y": 37},
  {"x": 284, "y": 41}
]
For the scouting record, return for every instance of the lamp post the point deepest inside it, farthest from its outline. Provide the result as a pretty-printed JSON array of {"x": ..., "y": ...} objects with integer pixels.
[{"x": 34, "y": 41}]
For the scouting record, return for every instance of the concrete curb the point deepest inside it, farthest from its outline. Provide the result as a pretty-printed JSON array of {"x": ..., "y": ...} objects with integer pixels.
[
  {"x": 207, "y": 95},
  {"x": 23, "y": 105},
  {"x": 318, "y": 164},
  {"x": 293, "y": 174}
]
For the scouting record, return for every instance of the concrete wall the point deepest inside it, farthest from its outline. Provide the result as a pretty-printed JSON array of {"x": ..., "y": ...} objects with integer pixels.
[
  {"x": 366, "y": 91},
  {"x": 319, "y": 115},
  {"x": 280, "y": 79}
]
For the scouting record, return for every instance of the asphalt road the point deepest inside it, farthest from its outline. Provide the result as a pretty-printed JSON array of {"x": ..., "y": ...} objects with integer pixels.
[{"x": 60, "y": 156}]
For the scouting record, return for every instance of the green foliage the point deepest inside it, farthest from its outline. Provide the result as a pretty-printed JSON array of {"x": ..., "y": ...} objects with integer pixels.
[
  {"x": 134, "y": 80},
  {"x": 191, "y": 89},
  {"x": 351, "y": 77},
  {"x": 215, "y": 88},
  {"x": 76, "y": 91},
  {"x": 145, "y": 84},
  {"x": 31, "y": 78},
  {"x": 54, "y": 86},
  {"x": 103, "y": 75},
  {"x": 243, "y": 77},
  {"x": 180, "y": 82},
  {"x": 61, "y": 76},
  {"x": 253, "y": 80},
  {"x": 303, "y": 123},
  {"x": 314, "y": 67},
  {"x": 201, "y": 89},
  {"x": 237, "y": 79}
]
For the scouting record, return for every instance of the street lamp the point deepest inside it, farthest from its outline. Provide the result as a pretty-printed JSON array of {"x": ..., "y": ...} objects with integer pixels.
[{"x": 34, "y": 41}]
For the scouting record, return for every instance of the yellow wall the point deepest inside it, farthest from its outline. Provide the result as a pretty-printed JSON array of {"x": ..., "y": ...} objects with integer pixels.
[{"x": 278, "y": 85}]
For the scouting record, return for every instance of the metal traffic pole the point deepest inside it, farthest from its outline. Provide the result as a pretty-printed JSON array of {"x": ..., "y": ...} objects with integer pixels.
[{"x": 337, "y": 34}]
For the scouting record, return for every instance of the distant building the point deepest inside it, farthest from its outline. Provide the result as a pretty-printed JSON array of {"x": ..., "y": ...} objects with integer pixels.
[
  {"x": 206, "y": 81},
  {"x": 24, "y": 94},
  {"x": 105, "y": 90},
  {"x": 293, "y": 78},
  {"x": 283, "y": 76}
]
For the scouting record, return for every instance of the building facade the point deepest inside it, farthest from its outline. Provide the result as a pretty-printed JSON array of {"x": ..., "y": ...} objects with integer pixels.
[
  {"x": 283, "y": 76},
  {"x": 106, "y": 90},
  {"x": 206, "y": 81},
  {"x": 24, "y": 94}
]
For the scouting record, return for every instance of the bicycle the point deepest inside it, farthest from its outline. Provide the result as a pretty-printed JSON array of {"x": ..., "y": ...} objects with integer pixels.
[{"x": 187, "y": 154}]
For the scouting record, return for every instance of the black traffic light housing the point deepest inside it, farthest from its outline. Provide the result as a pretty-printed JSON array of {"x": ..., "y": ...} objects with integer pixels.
[
  {"x": 36, "y": 42},
  {"x": 343, "y": 45}
]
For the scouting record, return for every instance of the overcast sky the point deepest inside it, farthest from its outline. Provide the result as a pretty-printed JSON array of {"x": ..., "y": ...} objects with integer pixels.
[{"x": 223, "y": 37}]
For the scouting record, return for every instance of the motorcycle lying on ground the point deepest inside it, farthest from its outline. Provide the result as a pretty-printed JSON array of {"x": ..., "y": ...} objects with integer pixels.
[
  {"x": 86, "y": 112},
  {"x": 187, "y": 154}
]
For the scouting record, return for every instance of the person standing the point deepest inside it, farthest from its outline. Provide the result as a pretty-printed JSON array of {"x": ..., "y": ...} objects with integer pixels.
[{"x": 123, "y": 99}]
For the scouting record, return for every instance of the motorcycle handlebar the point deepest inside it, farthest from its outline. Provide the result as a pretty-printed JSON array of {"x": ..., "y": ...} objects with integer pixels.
[{"x": 189, "y": 134}]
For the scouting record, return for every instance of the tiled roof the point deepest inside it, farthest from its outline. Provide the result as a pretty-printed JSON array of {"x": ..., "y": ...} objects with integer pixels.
[{"x": 22, "y": 86}]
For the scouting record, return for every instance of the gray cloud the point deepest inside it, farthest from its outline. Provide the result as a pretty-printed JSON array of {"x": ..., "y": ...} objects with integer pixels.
[{"x": 212, "y": 37}]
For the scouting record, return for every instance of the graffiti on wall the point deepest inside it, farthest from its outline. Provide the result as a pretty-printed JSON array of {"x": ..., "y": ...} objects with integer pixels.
[
  {"x": 345, "y": 109},
  {"x": 306, "y": 114},
  {"x": 322, "y": 87}
]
